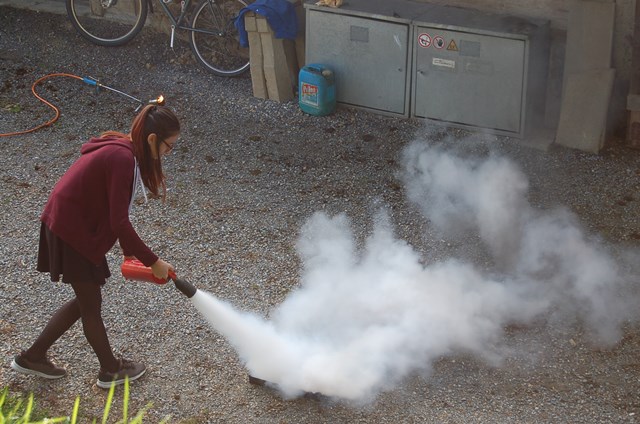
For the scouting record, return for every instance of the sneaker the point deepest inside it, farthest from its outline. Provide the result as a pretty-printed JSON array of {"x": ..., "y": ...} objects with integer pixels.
[
  {"x": 44, "y": 369},
  {"x": 127, "y": 369}
]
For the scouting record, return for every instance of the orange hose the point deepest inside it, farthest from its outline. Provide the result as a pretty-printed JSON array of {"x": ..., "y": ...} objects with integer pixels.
[{"x": 55, "y": 109}]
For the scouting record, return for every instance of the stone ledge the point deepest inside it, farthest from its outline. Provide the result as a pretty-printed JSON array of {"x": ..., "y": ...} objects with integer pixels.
[{"x": 633, "y": 102}]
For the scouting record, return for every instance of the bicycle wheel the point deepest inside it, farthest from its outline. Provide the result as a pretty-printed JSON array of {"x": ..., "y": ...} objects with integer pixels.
[
  {"x": 214, "y": 39},
  {"x": 107, "y": 22}
]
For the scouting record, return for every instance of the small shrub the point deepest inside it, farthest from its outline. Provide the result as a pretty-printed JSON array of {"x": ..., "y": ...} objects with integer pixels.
[{"x": 13, "y": 410}]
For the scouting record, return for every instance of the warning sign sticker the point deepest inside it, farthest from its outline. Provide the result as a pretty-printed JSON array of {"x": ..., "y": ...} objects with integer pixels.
[
  {"x": 424, "y": 40},
  {"x": 452, "y": 46},
  {"x": 438, "y": 42}
]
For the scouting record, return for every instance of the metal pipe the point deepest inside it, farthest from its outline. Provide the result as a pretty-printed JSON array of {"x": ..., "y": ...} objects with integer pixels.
[{"x": 94, "y": 82}]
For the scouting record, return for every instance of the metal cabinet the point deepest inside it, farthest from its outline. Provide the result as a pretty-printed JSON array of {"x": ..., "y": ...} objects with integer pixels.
[
  {"x": 367, "y": 43},
  {"x": 479, "y": 71},
  {"x": 473, "y": 79},
  {"x": 443, "y": 64}
]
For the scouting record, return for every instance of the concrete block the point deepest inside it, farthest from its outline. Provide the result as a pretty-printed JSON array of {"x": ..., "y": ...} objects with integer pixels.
[
  {"x": 633, "y": 102},
  {"x": 274, "y": 66},
  {"x": 588, "y": 77},
  {"x": 292, "y": 62},
  {"x": 250, "y": 22},
  {"x": 589, "y": 36},
  {"x": 633, "y": 129},
  {"x": 263, "y": 25},
  {"x": 276, "y": 70},
  {"x": 585, "y": 105},
  {"x": 256, "y": 59}
]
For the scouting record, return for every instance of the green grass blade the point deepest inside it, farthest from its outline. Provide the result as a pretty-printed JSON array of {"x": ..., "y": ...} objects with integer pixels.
[
  {"x": 18, "y": 404},
  {"x": 76, "y": 408},
  {"x": 140, "y": 415},
  {"x": 107, "y": 407},
  {"x": 14, "y": 411},
  {"x": 28, "y": 409},
  {"x": 125, "y": 400},
  {"x": 53, "y": 420},
  {"x": 2, "y": 398}
]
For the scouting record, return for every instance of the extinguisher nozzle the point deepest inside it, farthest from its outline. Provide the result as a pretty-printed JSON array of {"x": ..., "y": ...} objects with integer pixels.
[{"x": 185, "y": 287}]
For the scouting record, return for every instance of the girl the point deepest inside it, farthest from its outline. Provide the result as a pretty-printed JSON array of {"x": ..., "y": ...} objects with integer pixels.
[{"x": 87, "y": 211}]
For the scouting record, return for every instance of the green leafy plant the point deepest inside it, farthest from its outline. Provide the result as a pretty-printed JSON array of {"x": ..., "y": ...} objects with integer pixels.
[{"x": 15, "y": 411}]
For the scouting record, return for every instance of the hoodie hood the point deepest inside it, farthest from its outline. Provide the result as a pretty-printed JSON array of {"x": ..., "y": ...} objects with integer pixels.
[{"x": 97, "y": 142}]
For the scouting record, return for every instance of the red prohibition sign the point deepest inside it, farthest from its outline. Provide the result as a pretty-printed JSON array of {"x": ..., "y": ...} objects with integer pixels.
[
  {"x": 424, "y": 40},
  {"x": 438, "y": 42}
]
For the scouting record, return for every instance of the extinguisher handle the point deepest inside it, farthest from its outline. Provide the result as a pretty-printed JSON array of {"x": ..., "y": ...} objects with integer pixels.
[
  {"x": 133, "y": 269},
  {"x": 172, "y": 276}
]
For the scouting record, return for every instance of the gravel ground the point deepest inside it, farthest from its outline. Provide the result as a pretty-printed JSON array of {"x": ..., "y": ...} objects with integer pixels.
[{"x": 246, "y": 177}]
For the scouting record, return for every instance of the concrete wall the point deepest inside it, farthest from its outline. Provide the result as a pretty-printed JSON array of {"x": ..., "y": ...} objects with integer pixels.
[
  {"x": 623, "y": 43},
  {"x": 554, "y": 10}
]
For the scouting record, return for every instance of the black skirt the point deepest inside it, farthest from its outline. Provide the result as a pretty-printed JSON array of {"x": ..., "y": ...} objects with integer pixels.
[{"x": 59, "y": 259}]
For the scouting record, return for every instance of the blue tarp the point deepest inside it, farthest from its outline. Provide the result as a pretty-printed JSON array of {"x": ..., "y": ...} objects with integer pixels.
[{"x": 280, "y": 14}]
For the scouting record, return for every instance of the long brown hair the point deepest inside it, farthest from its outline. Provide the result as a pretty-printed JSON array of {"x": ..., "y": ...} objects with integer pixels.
[{"x": 158, "y": 120}]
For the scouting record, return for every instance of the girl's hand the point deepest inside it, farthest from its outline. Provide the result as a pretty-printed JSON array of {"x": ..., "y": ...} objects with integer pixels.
[{"x": 161, "y": 269}]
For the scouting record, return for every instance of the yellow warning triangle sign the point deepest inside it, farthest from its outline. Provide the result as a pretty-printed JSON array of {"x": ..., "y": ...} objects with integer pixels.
[{"x": 452, "y": 46}]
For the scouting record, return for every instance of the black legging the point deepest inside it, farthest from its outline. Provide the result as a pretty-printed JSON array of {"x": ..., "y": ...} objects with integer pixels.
[{"x": 86, "y": 305}]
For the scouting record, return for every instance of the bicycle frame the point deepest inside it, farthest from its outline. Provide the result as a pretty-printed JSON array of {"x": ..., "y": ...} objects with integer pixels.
[
  {"x": 176, "y": 20},
  {"x": 211, "y": 34}
]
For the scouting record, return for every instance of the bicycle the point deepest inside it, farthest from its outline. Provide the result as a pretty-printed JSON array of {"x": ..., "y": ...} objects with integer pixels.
[{"x": 213, "y": 37}]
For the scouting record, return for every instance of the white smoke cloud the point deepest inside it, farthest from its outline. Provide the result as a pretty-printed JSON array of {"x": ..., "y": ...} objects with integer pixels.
[
  {"x": 464, "y": 194},
  {"x": 365, "y": 318},
  {"x": 546, "y": 252}
]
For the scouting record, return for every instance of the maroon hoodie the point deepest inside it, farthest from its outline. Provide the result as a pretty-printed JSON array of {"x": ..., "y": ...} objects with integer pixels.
[{"x": 89, "y": 206}]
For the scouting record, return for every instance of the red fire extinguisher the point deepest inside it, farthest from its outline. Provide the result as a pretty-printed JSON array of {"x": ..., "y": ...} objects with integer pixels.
[{"x": 133, "y": 269}]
